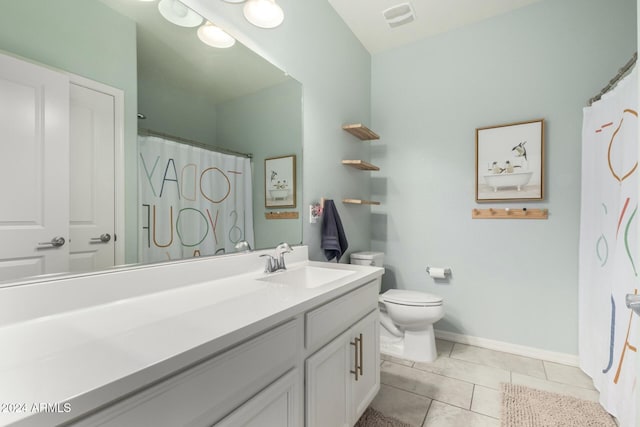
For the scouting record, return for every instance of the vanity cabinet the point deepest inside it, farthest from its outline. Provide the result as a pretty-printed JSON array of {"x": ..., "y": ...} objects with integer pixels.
[
  {"x": 256, "y": 377},
  {"x": 320, "y": 368},
  {"x": 344, "y": 376}
]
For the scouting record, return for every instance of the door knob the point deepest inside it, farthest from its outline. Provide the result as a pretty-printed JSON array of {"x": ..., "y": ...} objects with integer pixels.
[
  {"x": 104, "y": 238},
  {"x": 56, "y": 242},
  {"x": 633, "y": 302}
]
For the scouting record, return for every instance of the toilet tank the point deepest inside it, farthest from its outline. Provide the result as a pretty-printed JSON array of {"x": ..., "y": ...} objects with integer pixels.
[{"x": 375, "y": 259}]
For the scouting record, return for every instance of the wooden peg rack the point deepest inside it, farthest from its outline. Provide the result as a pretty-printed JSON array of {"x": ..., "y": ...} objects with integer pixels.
[
  {"x": 281, "y": 215},
  {"x": 509, "y": 213}
]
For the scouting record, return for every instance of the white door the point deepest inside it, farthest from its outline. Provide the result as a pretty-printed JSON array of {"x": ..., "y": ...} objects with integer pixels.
[
  {"x": 34, "y": 171},
  {"x": 92, "y": 181}
]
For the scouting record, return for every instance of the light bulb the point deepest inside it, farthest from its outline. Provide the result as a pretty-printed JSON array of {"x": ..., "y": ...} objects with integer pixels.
[
  {"x": 215, "y": 36},
  {"x": 263, "y": 13},
  {"x": 179, "y": 14}
]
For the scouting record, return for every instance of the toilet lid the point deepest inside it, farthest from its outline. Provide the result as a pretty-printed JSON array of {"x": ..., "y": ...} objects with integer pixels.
[{"x": 401, "y": 296}]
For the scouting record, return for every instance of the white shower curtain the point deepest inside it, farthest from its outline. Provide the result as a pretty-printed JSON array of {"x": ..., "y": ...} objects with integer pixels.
[
  {"x": 609, "y": 263},
  {"x": 191, "y": 201}
]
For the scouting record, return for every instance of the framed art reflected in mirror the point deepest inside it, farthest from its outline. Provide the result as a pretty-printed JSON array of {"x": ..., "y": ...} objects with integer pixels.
[{"x": 280, "y": 182}]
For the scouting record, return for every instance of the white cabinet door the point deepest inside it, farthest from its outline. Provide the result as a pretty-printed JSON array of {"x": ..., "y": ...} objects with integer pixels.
[
  {"x": 368, "y": 384},
  {"x": 335, "y": 395},
  {"x": 327, "y": 385},
  {"x": 275, "y": 406},
  {"x": 34, "y": 172},
  {"x": 92, "y": 180}
]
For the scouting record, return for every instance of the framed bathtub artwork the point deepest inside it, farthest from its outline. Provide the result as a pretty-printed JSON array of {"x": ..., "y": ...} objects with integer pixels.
[
  {"x": 280, "y": 182},
  {"x": 510, "y": 162}
]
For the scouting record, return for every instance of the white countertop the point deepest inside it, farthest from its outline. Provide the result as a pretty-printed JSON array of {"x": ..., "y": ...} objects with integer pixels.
[{"x": 90, "y": 356}]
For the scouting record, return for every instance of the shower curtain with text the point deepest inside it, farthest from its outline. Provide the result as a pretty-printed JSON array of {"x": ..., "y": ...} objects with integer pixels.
[
  {"x": 191, "y": 201},
  {"x": 609, "y": 262}
]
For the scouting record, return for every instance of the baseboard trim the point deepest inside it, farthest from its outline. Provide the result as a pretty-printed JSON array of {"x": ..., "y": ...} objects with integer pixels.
[{"x": 520, "y": 350}]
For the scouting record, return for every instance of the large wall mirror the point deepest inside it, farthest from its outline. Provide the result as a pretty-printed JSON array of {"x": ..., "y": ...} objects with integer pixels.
[{"x": 188, "y": 128}]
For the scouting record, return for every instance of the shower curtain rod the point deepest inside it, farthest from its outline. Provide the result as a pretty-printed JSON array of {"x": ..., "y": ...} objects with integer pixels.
[
  {"x": 621, "y": 73},
  {"x": 150, "y": 132}
]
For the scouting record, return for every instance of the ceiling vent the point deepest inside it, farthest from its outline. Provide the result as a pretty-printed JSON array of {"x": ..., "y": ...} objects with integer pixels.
[{"x": 399, "y": 14}]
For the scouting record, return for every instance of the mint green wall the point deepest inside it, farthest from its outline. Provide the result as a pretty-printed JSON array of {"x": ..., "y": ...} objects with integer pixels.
[
  {"x": 174, "y": 111},
  {"x": 96, "y": 43},
  {"x": 513, "y": 281},
  {"x": 316, "y": 48},
  {"x": 266, "y": 124}
]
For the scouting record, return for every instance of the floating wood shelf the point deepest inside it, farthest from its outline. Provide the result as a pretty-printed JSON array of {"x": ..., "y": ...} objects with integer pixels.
[
  {"x": 361, "y": 164},
  {"x": 360, "y": 202},
  {"x": 281, "y": 215},
  {"x": 360, "y": 131},
  {"x": 508, "y": 213}
]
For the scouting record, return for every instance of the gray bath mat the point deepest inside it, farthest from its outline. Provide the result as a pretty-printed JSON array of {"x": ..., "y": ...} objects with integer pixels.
[
  {"x": 527, "y": 407},
  {"x": 373, "y": 418}
]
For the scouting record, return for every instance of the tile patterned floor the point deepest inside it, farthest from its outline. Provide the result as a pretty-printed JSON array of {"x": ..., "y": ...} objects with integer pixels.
[{"x": 461, "y": 388}]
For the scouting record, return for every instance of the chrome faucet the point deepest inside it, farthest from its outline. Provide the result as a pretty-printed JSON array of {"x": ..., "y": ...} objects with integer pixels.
[
  {"x": 243, "y": 246},
  {"x": 277, "y": 263},
  {"x": 281, "y": 249},
  {"x": 271, "y": 264}
]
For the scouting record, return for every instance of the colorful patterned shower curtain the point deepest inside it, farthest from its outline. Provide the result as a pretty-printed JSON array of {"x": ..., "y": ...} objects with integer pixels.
[
  {"x": 608, "y": 267},
  {"x": 191, "y": 201}
]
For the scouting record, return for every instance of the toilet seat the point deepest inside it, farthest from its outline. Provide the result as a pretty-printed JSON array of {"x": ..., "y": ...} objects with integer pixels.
[{"x": 410, "y": 298}]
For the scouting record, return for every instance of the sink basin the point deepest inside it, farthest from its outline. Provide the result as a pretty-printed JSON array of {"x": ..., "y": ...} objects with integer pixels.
[{"x": 307, "y": 276}]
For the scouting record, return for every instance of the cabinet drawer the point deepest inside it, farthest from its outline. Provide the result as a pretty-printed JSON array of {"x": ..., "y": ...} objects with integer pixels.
[
  {"x": 276, "y": 406},
  {"x": 207, "y": 392},
  {"x": 329, "y": 320}
]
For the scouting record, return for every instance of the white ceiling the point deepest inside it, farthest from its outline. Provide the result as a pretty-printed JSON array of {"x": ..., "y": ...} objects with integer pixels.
[{"x": 365, "y": 18}]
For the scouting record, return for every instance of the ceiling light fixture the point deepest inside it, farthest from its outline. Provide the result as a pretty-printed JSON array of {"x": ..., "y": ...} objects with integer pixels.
[
  {"x": 234, "y": 1},
  {"x": 215, "y": 36},
  {"x": 179, "y": 14},
  {"x": 263, "y": 13}
]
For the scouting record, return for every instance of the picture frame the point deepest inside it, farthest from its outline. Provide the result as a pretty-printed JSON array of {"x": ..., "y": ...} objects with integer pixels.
[
  {"x": 280, "y": 182},
  {"x": 510, "y": 162}
]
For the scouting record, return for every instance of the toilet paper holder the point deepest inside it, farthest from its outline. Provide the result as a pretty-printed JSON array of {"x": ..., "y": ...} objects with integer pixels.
[{"x": 439, "y": 273}]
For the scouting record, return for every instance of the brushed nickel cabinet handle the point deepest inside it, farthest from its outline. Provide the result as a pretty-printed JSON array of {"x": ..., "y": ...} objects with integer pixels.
[
  {"x": 361, "y": 356},
  {"x": 356, "y": 370}
]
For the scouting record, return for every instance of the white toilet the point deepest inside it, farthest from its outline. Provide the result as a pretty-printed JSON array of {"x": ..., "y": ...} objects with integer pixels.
[{"x": 406, "y": 317}]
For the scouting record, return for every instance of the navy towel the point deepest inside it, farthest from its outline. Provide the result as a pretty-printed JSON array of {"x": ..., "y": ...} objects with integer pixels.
[{"x": 334, "y": 242}]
